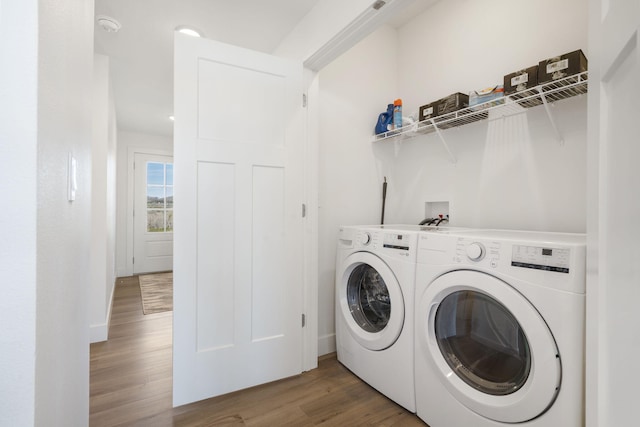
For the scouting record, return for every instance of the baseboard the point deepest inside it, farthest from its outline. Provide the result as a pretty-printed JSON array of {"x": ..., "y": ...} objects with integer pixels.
[
  {"x": 100, "y": 332},
  {"x": 326, "y": 344}
]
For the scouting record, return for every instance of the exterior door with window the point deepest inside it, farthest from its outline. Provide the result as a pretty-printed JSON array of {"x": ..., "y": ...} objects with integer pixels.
[{"x": 153, "y": 213}]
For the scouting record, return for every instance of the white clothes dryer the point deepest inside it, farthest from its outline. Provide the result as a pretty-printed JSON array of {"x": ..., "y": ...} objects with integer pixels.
[
  {"x": 375, "y": 278},
  {"x": 500, "y": 324}
]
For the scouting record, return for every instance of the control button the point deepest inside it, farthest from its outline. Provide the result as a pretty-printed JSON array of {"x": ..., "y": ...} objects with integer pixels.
[
  {"x": 475, "y": 251},
  {"x": 494, "y": 263},
  {"x": 366, "y": 238}
]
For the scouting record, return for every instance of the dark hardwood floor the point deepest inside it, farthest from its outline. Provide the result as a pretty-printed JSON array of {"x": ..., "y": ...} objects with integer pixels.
[{"x": 131, "y": 384}]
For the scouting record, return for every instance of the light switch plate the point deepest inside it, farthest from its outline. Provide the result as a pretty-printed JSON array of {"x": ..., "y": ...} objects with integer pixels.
[{"x": 72, "y": 177}]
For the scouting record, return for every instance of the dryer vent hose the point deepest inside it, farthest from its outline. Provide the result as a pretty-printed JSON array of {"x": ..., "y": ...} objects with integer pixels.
[{"x": 384, "y": 198}]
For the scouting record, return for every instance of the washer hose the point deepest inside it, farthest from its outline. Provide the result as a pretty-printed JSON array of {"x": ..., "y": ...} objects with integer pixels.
[{"x": 384, "y": 198}]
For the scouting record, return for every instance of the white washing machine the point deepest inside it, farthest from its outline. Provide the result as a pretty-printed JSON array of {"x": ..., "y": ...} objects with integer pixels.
[
  {"x": 375, "y": 278},
  {"x": 500, "y": 325}
]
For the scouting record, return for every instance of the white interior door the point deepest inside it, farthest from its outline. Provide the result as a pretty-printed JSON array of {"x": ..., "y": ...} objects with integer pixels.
[
  {"x": 153, "y": 213},
  {"x": 238, "y": 266},
  {"x": 613, "y": 290}
]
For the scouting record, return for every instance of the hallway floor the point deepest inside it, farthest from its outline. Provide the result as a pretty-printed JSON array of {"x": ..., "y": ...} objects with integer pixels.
[{"x": 131, "y": 381}]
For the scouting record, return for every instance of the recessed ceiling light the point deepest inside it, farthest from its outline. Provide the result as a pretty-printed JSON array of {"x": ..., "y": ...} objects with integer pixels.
[
  {"x": 172, "y": 118},
  {"x": 188, "y": 31},
  {"x": 108, "y": 23}
]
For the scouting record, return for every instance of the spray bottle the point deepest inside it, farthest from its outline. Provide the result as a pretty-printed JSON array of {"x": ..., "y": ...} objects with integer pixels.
[{"x": 397, "y": 113}]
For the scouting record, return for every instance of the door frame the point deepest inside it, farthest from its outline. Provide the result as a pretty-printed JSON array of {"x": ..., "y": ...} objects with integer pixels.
[
  {"x": 131, "y": 155},
  {"x": 310, "y": 345}
]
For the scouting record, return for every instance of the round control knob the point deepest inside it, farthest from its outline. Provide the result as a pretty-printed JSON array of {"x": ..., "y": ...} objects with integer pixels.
[
  {"x": 366, "y": 238},
  {"x": 475, "y": 251}
]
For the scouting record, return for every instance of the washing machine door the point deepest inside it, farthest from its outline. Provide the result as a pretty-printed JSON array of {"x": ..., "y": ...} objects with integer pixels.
[
  {"x": 370, "y": 301},
  {"x": 489, "y": 346}
]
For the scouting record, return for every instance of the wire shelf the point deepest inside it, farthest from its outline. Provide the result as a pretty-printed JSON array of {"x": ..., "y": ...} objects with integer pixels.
[{"x": 543, "y": 94}]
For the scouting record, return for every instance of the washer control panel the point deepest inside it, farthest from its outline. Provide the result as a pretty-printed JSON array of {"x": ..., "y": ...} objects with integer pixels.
[
  {"x": 365, "y": 238},
  {"x": 396, "y": 241},
  {"x": 390, "y": 243}
]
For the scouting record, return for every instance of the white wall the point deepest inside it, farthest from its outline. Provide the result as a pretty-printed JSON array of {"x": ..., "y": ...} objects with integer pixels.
[
  {"x": 613, "y": 271},
  {"x": 354, "y": 89},
  {"x": 332, "y": 27},
  {"x": 321, "y": 36},
  {"x": 128, "y": 144},
  {"x": 45, "y": 87},
  {"x": 103, "y": 203},
  {"x": 65, "y": 62},
  {"x": 319, "y": 27},
  {"x": 465, "y": 45},
  {"x": 112, "y": 163},
  {"x": 509, "y": 173},
  {"x": 18, "y": 181}
]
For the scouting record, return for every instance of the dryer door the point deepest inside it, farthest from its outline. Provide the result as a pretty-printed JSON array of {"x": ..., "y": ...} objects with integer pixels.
[
  {"x": 370, "y": 301},
  {"x": 489, "y": 346}
]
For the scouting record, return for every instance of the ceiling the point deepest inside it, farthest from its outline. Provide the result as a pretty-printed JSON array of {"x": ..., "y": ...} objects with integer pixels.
[{"x": 141, "y": 52}]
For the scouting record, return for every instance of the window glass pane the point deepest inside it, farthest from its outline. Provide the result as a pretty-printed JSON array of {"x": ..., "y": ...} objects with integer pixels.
[
  {"x": 159, "y": 197},
  {"x": 169, "y": 173},
  {"x": 169, "y": 220},
  {"x": 169, "y": 197},
  {"x": 155, "y": 173},
  {"x": 155, "y": 197},
  {"x": 155, "y": 221}
]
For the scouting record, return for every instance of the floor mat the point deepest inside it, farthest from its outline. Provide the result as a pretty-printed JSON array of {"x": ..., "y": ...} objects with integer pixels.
[{"x": 157, "y": 292}]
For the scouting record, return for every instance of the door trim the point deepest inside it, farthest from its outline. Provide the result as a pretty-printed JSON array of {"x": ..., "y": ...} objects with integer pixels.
[
  {"x": 310, "y": 343},
  {"x": 131, "y": 155}
]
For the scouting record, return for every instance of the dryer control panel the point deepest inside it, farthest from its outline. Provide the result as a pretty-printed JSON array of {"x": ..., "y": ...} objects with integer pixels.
[
  {"x": 541, "y": 258},
  {"x": 551, "y": 260},
  {"x": 486, "y": 253}
]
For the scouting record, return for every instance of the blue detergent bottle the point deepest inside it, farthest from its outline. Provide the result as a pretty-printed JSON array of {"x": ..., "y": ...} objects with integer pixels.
[{"x": 384, "y": 120}]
